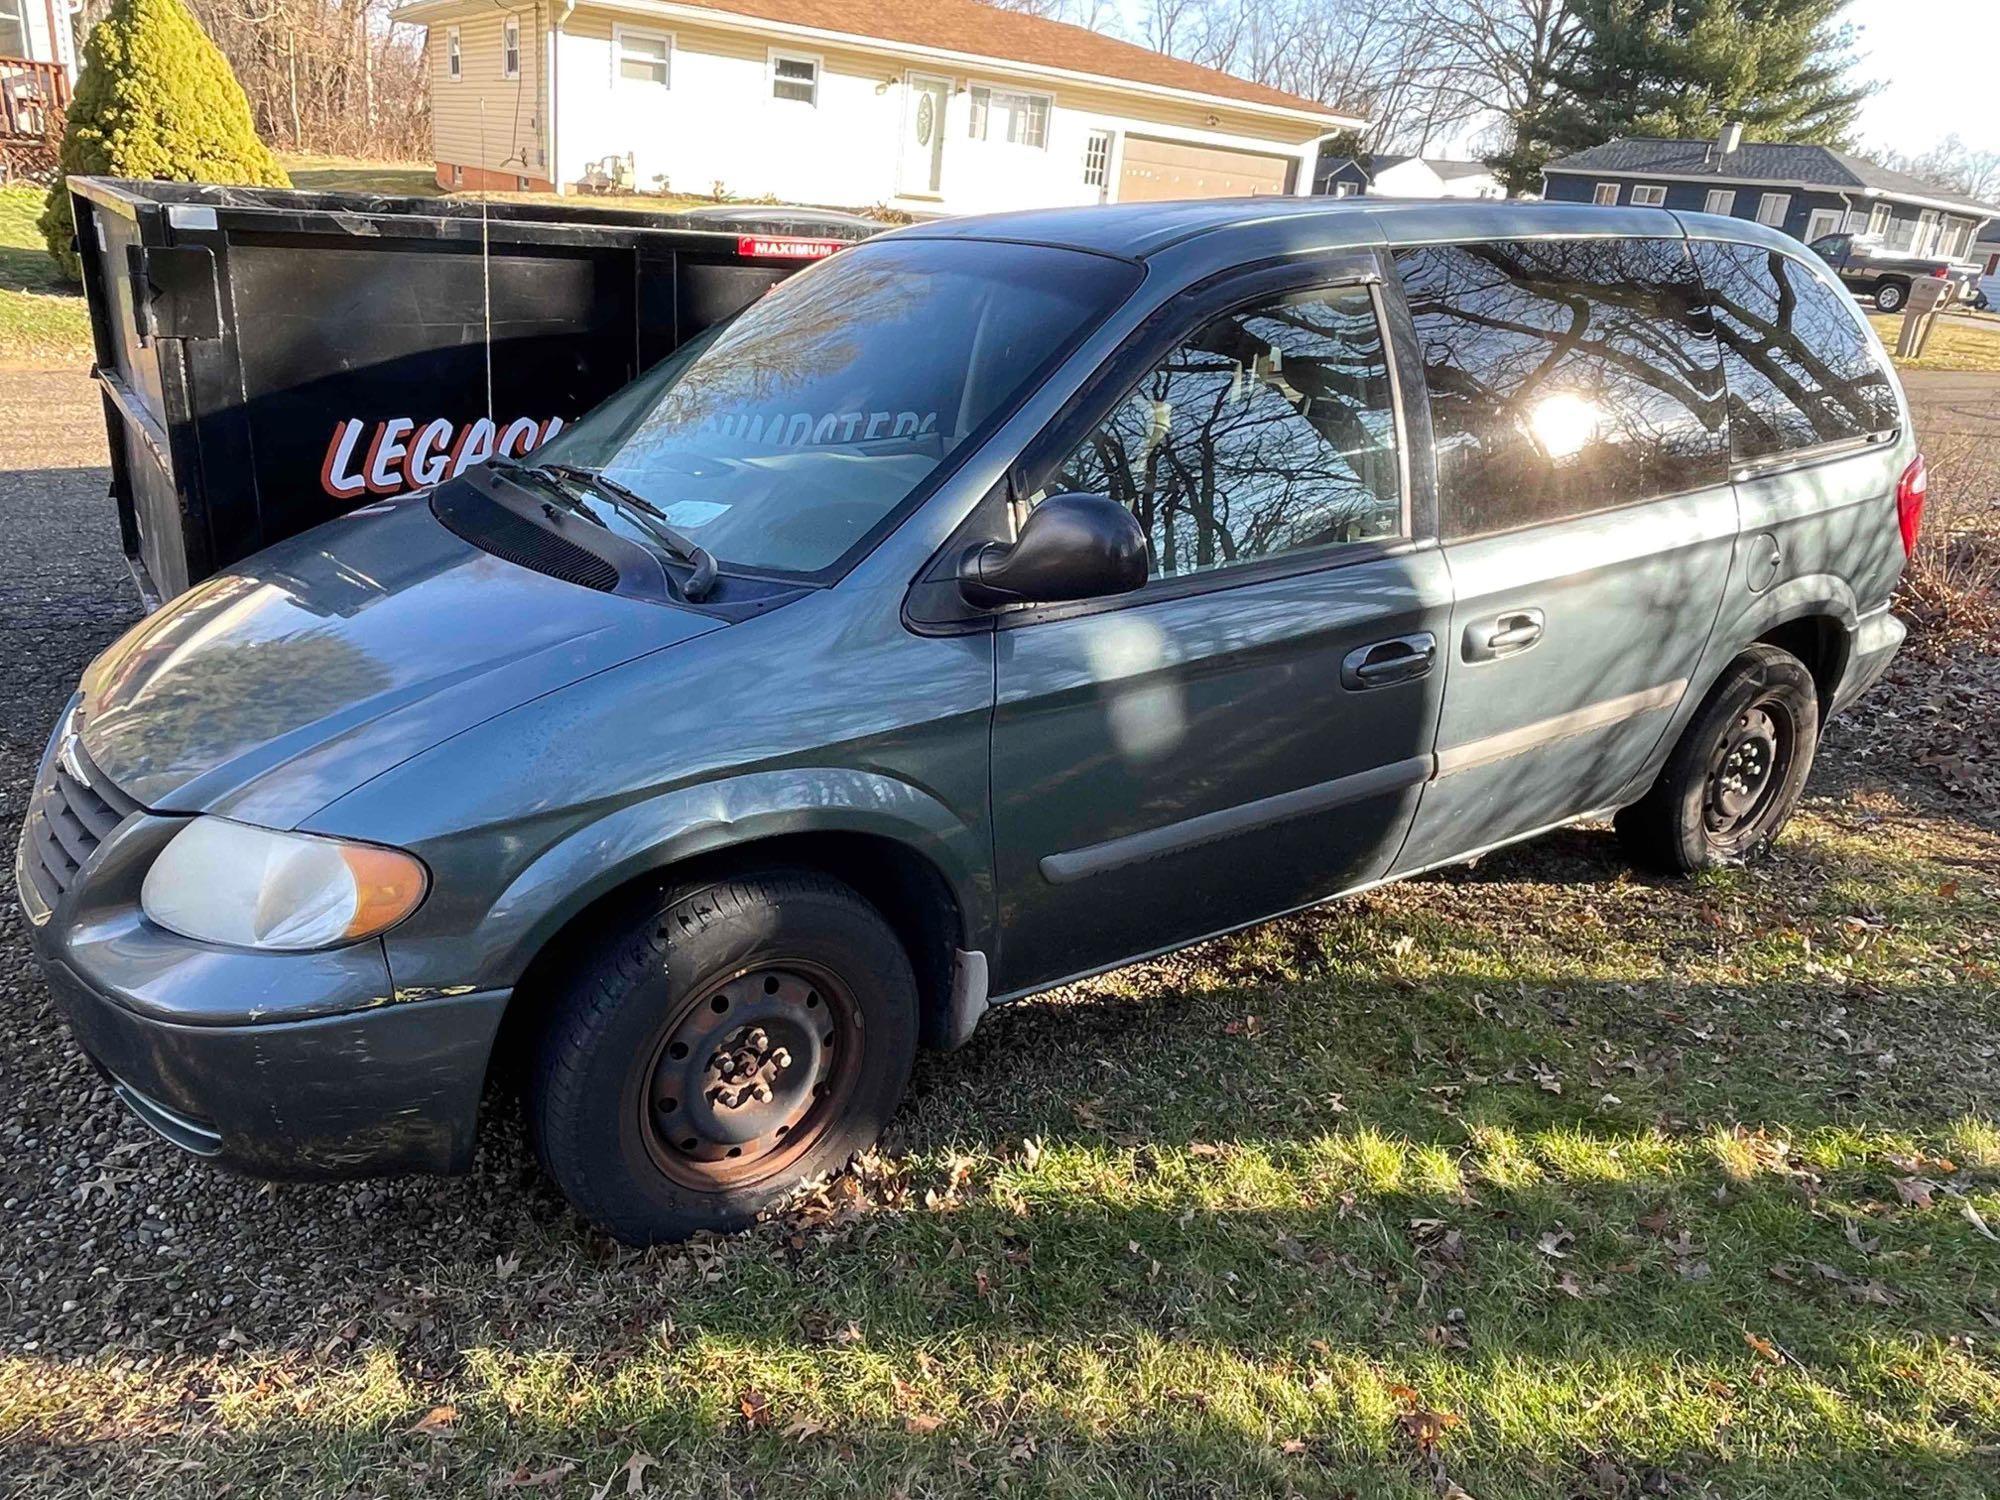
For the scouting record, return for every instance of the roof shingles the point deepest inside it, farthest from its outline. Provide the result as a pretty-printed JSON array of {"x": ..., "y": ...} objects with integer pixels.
[
  {"x": 1758, "y": 161},
  {"x": 1010, "y": 36}
]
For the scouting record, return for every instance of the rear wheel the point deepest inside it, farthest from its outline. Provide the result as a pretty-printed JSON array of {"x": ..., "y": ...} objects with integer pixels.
[
  {"x": 1891, "y": 295},
  {"x": 1736, "y": 773},
  {"x": 744, "y": 1037}
]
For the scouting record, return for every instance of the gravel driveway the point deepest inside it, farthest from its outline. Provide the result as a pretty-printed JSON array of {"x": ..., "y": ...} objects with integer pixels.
[{"x": 109, "y": 1238}]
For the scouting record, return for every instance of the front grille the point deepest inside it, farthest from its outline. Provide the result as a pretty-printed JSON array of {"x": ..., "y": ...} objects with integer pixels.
[
  {"x": 73, "y": 811},
  {"x": 492, "y": 527}
]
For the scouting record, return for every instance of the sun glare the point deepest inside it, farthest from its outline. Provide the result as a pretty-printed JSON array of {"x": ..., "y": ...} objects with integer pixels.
[{"x": 1563, "y": 424}]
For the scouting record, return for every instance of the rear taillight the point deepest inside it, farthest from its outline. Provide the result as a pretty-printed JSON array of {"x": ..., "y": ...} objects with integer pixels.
[{"x": 1911, "y": 491}]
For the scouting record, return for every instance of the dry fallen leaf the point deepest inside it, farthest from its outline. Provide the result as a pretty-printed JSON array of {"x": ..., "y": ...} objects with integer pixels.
[
  {"x": 755, "y": 1406},
  {"x": 1426, "y": 1427},
  {"x": 1914, "y": 1191},
  {"x": 437, "y": 1422},
  {"x": 634, "y": 1470},
  {"x": 1973, "y": 1218},
  {"x": 1763, "y": 1347}
]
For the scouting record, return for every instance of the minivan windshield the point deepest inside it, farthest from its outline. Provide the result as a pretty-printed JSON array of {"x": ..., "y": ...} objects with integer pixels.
[{"x": 782, "y": 440}]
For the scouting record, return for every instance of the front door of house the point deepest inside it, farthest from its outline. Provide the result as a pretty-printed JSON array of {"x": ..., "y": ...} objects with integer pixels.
[{"x": 923, "y": 134}]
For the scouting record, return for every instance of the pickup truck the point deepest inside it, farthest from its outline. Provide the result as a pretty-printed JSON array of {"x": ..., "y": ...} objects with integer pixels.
[{"x": 1886, "y": 275}]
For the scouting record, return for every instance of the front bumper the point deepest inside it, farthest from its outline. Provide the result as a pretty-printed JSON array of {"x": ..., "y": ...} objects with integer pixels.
[
  {"x": 394, "y": 1089},
  {"x": 279, "y": 1064}
]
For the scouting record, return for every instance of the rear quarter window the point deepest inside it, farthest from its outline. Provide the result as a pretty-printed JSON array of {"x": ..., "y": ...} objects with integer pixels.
[
  {"x": 1565, "y": 376},
  {"x": 1800, "y": 370}
]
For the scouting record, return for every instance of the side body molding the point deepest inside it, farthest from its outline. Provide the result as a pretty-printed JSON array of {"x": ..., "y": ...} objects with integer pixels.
[{"x": 600, "y": 856}]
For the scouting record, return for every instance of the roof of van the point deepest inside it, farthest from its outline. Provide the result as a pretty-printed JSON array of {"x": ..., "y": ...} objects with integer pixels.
[{"x": 1138, "y": 230}]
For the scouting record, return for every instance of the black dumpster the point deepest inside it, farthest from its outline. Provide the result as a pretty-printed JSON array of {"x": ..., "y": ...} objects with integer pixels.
[{"x": 270, "y": 359}]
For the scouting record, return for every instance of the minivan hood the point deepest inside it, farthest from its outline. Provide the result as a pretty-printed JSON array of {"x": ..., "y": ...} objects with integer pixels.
[{"x": 267, "y": 692}]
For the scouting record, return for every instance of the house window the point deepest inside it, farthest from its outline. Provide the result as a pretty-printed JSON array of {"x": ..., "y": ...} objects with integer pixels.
[
  {"x": 1951, "y": 244},
  {"x": 794, "y": 78},
  {"x": 1878, "y": 220},
  {"x": 1648, "y": 197},
  {"x": 1823, "y": 221},
  {"x": 1006, "y": 115},
  {"x": 1926, "y": 237},
  {"x": 1772, "y": 208},
  {"x": 510, "y": 47},
  {"x": 1097, "y": 159},
  {"x": 1606, "y": 194},
  {"x": 454, "y": 64},
  {"x": 643, "y": 56},
  {"x": 457, "y": 175},
  {"x": 1719, "y": 201}
]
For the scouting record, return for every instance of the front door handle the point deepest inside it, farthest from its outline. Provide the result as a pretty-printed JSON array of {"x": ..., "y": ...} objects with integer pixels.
[
  {"x": 1503, "y": 635},
  {"x": 1401, "y": 659}
]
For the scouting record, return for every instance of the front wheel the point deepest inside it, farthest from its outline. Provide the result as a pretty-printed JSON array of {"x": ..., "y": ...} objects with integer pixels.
[
  {"x": 745, "y": 1036},
  {"x": 1890, "y": 295},
  {"x": 1735, "y": 774}
]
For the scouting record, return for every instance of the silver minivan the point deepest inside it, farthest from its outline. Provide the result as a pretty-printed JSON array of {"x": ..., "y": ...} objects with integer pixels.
[{"x": 996, "y": 602}]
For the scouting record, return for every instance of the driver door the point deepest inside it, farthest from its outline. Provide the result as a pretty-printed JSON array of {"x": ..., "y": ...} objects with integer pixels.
[{"x": 1247, "y": 733}]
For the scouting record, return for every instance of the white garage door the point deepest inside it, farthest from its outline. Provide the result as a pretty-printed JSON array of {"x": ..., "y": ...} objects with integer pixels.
[{"x": 1173, "y": 169}]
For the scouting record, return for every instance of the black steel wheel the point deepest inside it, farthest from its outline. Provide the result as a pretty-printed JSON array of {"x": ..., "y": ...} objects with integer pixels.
[
  {"x": 750, "y": 1075},
  {"x": 1744, "y": 768},
  {"x": 734, "y": 1040},
  {"x": 1735, "y": 774}
]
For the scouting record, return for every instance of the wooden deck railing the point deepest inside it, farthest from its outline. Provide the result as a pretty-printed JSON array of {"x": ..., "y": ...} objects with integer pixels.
[{"x": 29, "y": 93}]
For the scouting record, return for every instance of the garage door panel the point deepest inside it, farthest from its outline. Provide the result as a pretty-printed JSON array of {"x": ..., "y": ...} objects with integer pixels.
[{"x": 1156, "y": 169}]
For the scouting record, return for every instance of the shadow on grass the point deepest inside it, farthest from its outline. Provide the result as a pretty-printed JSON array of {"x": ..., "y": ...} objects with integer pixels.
[{"x": 1225, "y": 1223}]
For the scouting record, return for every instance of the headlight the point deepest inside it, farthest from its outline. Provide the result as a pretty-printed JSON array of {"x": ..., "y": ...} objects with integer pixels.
[{"x": 223, "y": 882}]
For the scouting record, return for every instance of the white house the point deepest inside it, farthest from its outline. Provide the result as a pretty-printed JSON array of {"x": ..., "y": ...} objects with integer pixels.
[
  {"x": 1408, "y": 177},
  {"x": 923, "y": 105},
  {"x": 37, "y": 64}
]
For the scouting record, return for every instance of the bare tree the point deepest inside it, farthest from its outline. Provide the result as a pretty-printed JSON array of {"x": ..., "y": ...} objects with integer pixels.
[
  {"x": 323, "y": 76},
  {"x": 1093, "y": 15},
  {"x": 1972, "y": 170},
  {"x": 1377, "y": 58},
  {"x": 1421, "y": 71},
  {"x": 1500, "y": 57}
]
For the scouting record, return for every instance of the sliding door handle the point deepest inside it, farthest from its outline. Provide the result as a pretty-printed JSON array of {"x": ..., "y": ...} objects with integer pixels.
[{"x": 1503, "y": 635}]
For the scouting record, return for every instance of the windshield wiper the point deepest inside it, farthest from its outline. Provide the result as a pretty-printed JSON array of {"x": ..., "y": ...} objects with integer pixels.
[{"x": 702, "y": 568}]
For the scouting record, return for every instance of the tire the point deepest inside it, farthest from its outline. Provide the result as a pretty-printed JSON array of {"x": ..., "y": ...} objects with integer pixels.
[
  {"x": 741, "y": 1038},
  {"x": 1735, "y": 774},
  {"x": 1891, "y": 295}
]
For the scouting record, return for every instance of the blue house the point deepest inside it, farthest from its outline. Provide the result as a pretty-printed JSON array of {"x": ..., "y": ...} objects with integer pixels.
[{"x": 1807, "y": 191}]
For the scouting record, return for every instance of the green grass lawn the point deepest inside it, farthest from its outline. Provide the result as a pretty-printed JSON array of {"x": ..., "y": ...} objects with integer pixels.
[
  {"x": 1535, "y": 1179},
  {"x": 42, "y": 319},
  {"x": 347, "y": 174},
  {"x": 1959, "y": 341}
]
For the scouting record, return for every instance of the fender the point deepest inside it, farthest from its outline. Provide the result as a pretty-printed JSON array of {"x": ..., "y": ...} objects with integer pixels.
[
  {"x": 660, "y": 831},
  {"x": 1754, "y": 615}
]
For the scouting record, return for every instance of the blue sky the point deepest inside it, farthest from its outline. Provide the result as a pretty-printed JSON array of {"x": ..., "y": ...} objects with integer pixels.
[{"x": 1939, "y": 62}]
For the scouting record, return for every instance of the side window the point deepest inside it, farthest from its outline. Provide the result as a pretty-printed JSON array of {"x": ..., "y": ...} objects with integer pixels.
[
  {"x": 1799, "y": 369},
  {"x": 1270, "y": 430},
  {"x": 1566, "y": 376}
]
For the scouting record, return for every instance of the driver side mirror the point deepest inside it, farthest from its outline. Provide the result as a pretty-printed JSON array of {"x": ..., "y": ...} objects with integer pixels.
[{"x": 1070, "y": 547}]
